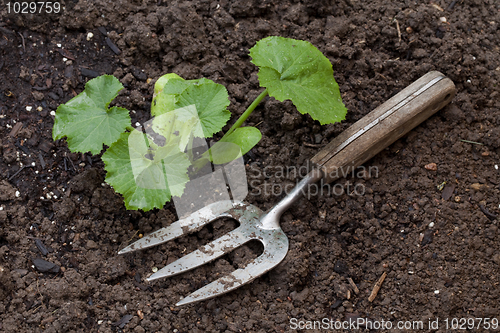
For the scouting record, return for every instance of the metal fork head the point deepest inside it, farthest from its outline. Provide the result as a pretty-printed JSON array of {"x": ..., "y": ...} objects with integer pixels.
[
  {"x": 254, "y": 225},
  {"x": 251, "y": 228}
]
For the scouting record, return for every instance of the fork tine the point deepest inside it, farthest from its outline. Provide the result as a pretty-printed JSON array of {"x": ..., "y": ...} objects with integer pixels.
[
  {"x": 274, "y": 252},
  {"x": 205, "y": 254},
  {"x": 192, "y": 223}
]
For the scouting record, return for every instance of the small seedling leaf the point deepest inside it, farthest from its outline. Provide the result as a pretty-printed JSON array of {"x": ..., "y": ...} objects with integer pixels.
[
  {"x": 298, "y": 71},
  {"x": 167, "y": 88},
  {"x": 147, "y": 175},
  {"x": 211, "y": 100},
  {"x": 208, "y": 98},
  {"x": 236, "y": 144},
  {"x": 87, "y": 122}
]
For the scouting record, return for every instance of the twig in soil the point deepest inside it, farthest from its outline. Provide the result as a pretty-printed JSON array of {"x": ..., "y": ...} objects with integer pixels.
[
  {"x": 132, "y": 236},
  {"x": 18, "y": 171},
  {"x": 71, "y": 162},
  {"x": 452, "y": 4},
  {"x": 486, "y": 212},
  {"x": 473, "y": 142},
  {"x": 42, "y": 161},
  {"x": 353, "y": 285},
  {"x": 377, "y": 287},
  {"x": 6, "y": 31},
  {"x": 312, "y": 145},
  {"x": 24, "y": 45},
  {"x": 399, "y": 30}
]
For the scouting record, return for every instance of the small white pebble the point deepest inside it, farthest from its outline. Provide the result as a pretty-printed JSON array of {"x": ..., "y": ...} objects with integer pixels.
[
  {"x": 8, "y": 126},
  {"x": 18, "y": 194},
  {"x": 1, "y": 207},
  {"x": 29, "y": 108},
  {"x": 99, "y": 322},
  {"x": 55, "y": 196},
  {"x": 52, "y": 113},
  {"x": 90, "y": 35},
  {"x": 39, "y": 109},
  {"x": 48, "y": 196},
  {"x": 436, "y": 292},
  {"x": 468, "y": 81},
  {"x": 137, "y": 124},
  {"x": 53, "y": 222},
  {"x": 65, "y": 59},
  {"x": 42, "y": 198},
  {"x": 21, "y": 164},
  {"x": 58, "y": 45},
  {"x": 154, "y": 269},
  {"x": 431, "y": 224},
  {"x": 442, "y": 19},
  {"x": 82, "y": 164},
  {"x": 33, "y": 163},
  {"x": 402, "y": 230},
  {"x": 103, "y": 184},
  {"x": 36, "y": 171},
  {"x": 496, "y": 166}
]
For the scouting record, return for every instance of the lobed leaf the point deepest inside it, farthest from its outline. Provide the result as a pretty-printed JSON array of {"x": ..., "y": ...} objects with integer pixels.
[
  {"x": 209, "y": 99},
  {"x": 298, "y": 71},
  {"x": 87, "y": 122},
  {"x": 147, "y": 175}
]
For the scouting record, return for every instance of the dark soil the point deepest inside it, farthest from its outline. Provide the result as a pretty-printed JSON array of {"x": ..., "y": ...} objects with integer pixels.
[{"x": 440, "y": 248}]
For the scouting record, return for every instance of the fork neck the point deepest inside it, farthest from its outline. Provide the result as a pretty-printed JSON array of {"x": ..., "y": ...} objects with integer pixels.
[{"x": 271, "y": 219}]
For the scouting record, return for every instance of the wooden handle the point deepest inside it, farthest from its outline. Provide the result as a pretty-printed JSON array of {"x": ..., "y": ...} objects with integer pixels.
[{"x": 384, "y": 125}]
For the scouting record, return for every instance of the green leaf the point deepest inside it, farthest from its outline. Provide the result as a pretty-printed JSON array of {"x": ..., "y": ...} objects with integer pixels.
[
  {"x": 147, "y": 175},
  {"x": 176, "y": 127},
  {"x": 230, "y": 147},
  {"x": 167, "y": 88},
  {"x": 211, "y": 100},
  {"x": 236, "y": 144},
  {"x": 208, "y": 98},
  {"x": 86, "y": 120},
  {"x": 298, "y": 71}
]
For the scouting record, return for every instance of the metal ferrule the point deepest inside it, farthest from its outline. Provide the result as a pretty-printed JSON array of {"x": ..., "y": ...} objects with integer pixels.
[{"x": 271, "y": 219}]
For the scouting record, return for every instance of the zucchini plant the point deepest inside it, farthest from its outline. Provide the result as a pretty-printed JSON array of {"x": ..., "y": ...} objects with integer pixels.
[{"x": 149, "y": 167}]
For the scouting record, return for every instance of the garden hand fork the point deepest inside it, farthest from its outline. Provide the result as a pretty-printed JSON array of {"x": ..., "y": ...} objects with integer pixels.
[{"x": 360, "y": 142}]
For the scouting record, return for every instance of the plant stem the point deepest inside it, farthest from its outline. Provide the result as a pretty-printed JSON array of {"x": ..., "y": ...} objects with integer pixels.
[{"x": 247, "y": 113}]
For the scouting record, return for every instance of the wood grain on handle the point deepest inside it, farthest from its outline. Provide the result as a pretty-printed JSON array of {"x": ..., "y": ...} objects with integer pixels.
[{"x": 384, "y": 125}]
